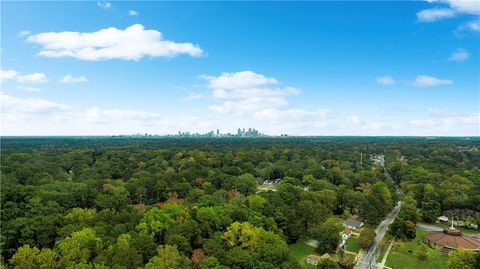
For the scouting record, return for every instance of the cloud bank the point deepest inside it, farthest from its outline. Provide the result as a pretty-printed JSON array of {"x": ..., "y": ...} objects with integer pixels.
[{"x": 132, "y": 43}]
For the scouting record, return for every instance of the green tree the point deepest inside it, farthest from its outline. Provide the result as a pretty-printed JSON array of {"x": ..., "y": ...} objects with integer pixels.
[
  {"x": 421, "y": 253},
  {"x": 327, "y": 264},
  {"x": 167, "y": 257},
  {"x": 154, "y": 223},
  {"x": 327, "y": 236},
  {"x": 124, "y": 255},
  {"x": 262, "y": 245},
  {"x": 461, "y": 259},
  {"x": 27, "y": 257},
  {"x": 431, "y": 210},
  {"x": 210, "y": 263},
  {"x": 366, "y": 237},
  {"x": 79, "y": 248}
]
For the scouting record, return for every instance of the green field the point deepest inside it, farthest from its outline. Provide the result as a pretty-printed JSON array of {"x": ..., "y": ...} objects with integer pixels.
[
  {"x": 401, "y": 258},
  {"x": 352, "y": 244},
  {"x": 300, "y": 251}
]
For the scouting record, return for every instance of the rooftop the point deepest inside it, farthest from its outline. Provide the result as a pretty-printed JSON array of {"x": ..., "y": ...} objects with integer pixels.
[
  {"x": 353, "y": 223},
  {"x": 452, "y": 238}
]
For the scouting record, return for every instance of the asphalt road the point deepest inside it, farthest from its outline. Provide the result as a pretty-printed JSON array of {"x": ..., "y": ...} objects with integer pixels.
[
  {"x": 433, "y": 227},
  {"x": 369, "y": 259}
]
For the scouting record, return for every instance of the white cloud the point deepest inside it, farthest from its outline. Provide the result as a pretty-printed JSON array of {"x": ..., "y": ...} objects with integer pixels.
[
  {"x": 428, "y": 81},
  {"x": 69, "y": 78},
  {"x": 246, "y": 92},
  {"x": 33, "y": 78},
  {"x": 239, "y": 80},
  {"x": 441, "y": 124},
  {"x": 132, "y": 43},
  {"x": 28, "y": 88},
  {"x": 474, "y": 25},
  {"x": 452, "y": 8},
  {"x": 12, "y": 104},
  {"x": 385, "y": 80},
  {"x": 291, "y": 114},
  {"x": 465, "y": 6},
  {"x": 248, "y": 105},
  {"x": 435, "y": 14},
  {"x": 193, "y": 96},
  {"x": 37, "y": 116},
  {"x": 470, "y": 26},
  {"x": 459, "y": 55},
  {"x": 23, "y": 33},
  {"x": 8, "y": 74},
  {"x": 107, "y": 116},
  {"x": 104, "y": 5},
  {"x": 133, "y": 13},
  {"x": 355, "y": 119}
]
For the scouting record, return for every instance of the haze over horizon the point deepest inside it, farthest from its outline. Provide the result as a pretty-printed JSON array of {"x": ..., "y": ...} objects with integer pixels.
[{"x": 311, "y": 68}]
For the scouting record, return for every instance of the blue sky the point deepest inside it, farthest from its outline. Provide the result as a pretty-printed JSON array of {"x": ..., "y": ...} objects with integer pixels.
[{"x": 309, "y": 68}]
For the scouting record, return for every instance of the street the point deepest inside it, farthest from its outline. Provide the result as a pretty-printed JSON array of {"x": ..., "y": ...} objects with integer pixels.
[
  {"x": 433, "y": 228},
  {"x": 369, "y": 259}
]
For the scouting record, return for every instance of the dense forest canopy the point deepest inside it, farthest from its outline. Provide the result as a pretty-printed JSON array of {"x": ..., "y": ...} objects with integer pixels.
[{"x": 103, "y": 202}]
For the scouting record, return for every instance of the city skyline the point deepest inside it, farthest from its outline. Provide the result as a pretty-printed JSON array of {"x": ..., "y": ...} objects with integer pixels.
[{"x": 312, "y": 68}]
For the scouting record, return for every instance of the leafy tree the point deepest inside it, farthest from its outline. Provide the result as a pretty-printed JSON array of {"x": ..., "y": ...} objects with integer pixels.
[
  {"x": 210, "y": 263},
  {"x": 79, "y": 248},
  {"x": 27, "y": 257},
  {"x": 167, "y": 257},
  {"x": 366, "y": 237},
  {"x": 327, "y": 236},
  {"x": 378, "y": 202},
  {"x": 403, "y": 229},
  {"x": 421, "y": 253},
  {"x": 114, "y": 196},
  {"x": 263, "y": 245},
  {"x": 327, "y": 264},
  {"x": 124, "y": 255},
  {"x": 256, "y": 202},
  {"x": 461, "y": 259},
  {"x": 154, "y": 223},
  {"x": 430, "y": 210}
]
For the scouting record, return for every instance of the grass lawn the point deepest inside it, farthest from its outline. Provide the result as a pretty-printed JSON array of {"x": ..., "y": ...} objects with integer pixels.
[
  {"x": 384, "y": 246},
  {"x": 300, "y": 251},
  {"x": 352, "y": 244},
  {"x": 382, "y": 253},
  {"x": 400, "y": 258}
]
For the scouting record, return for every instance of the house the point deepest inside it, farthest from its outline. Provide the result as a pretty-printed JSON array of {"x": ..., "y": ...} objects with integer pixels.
[
  {"x": 450, "y": 239},
  {"x": 345, "y": 235},
  {"x": 356, "y": 217},
  {"x": 314, "y": 259},
  {"x": 353, "y": 224}
]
